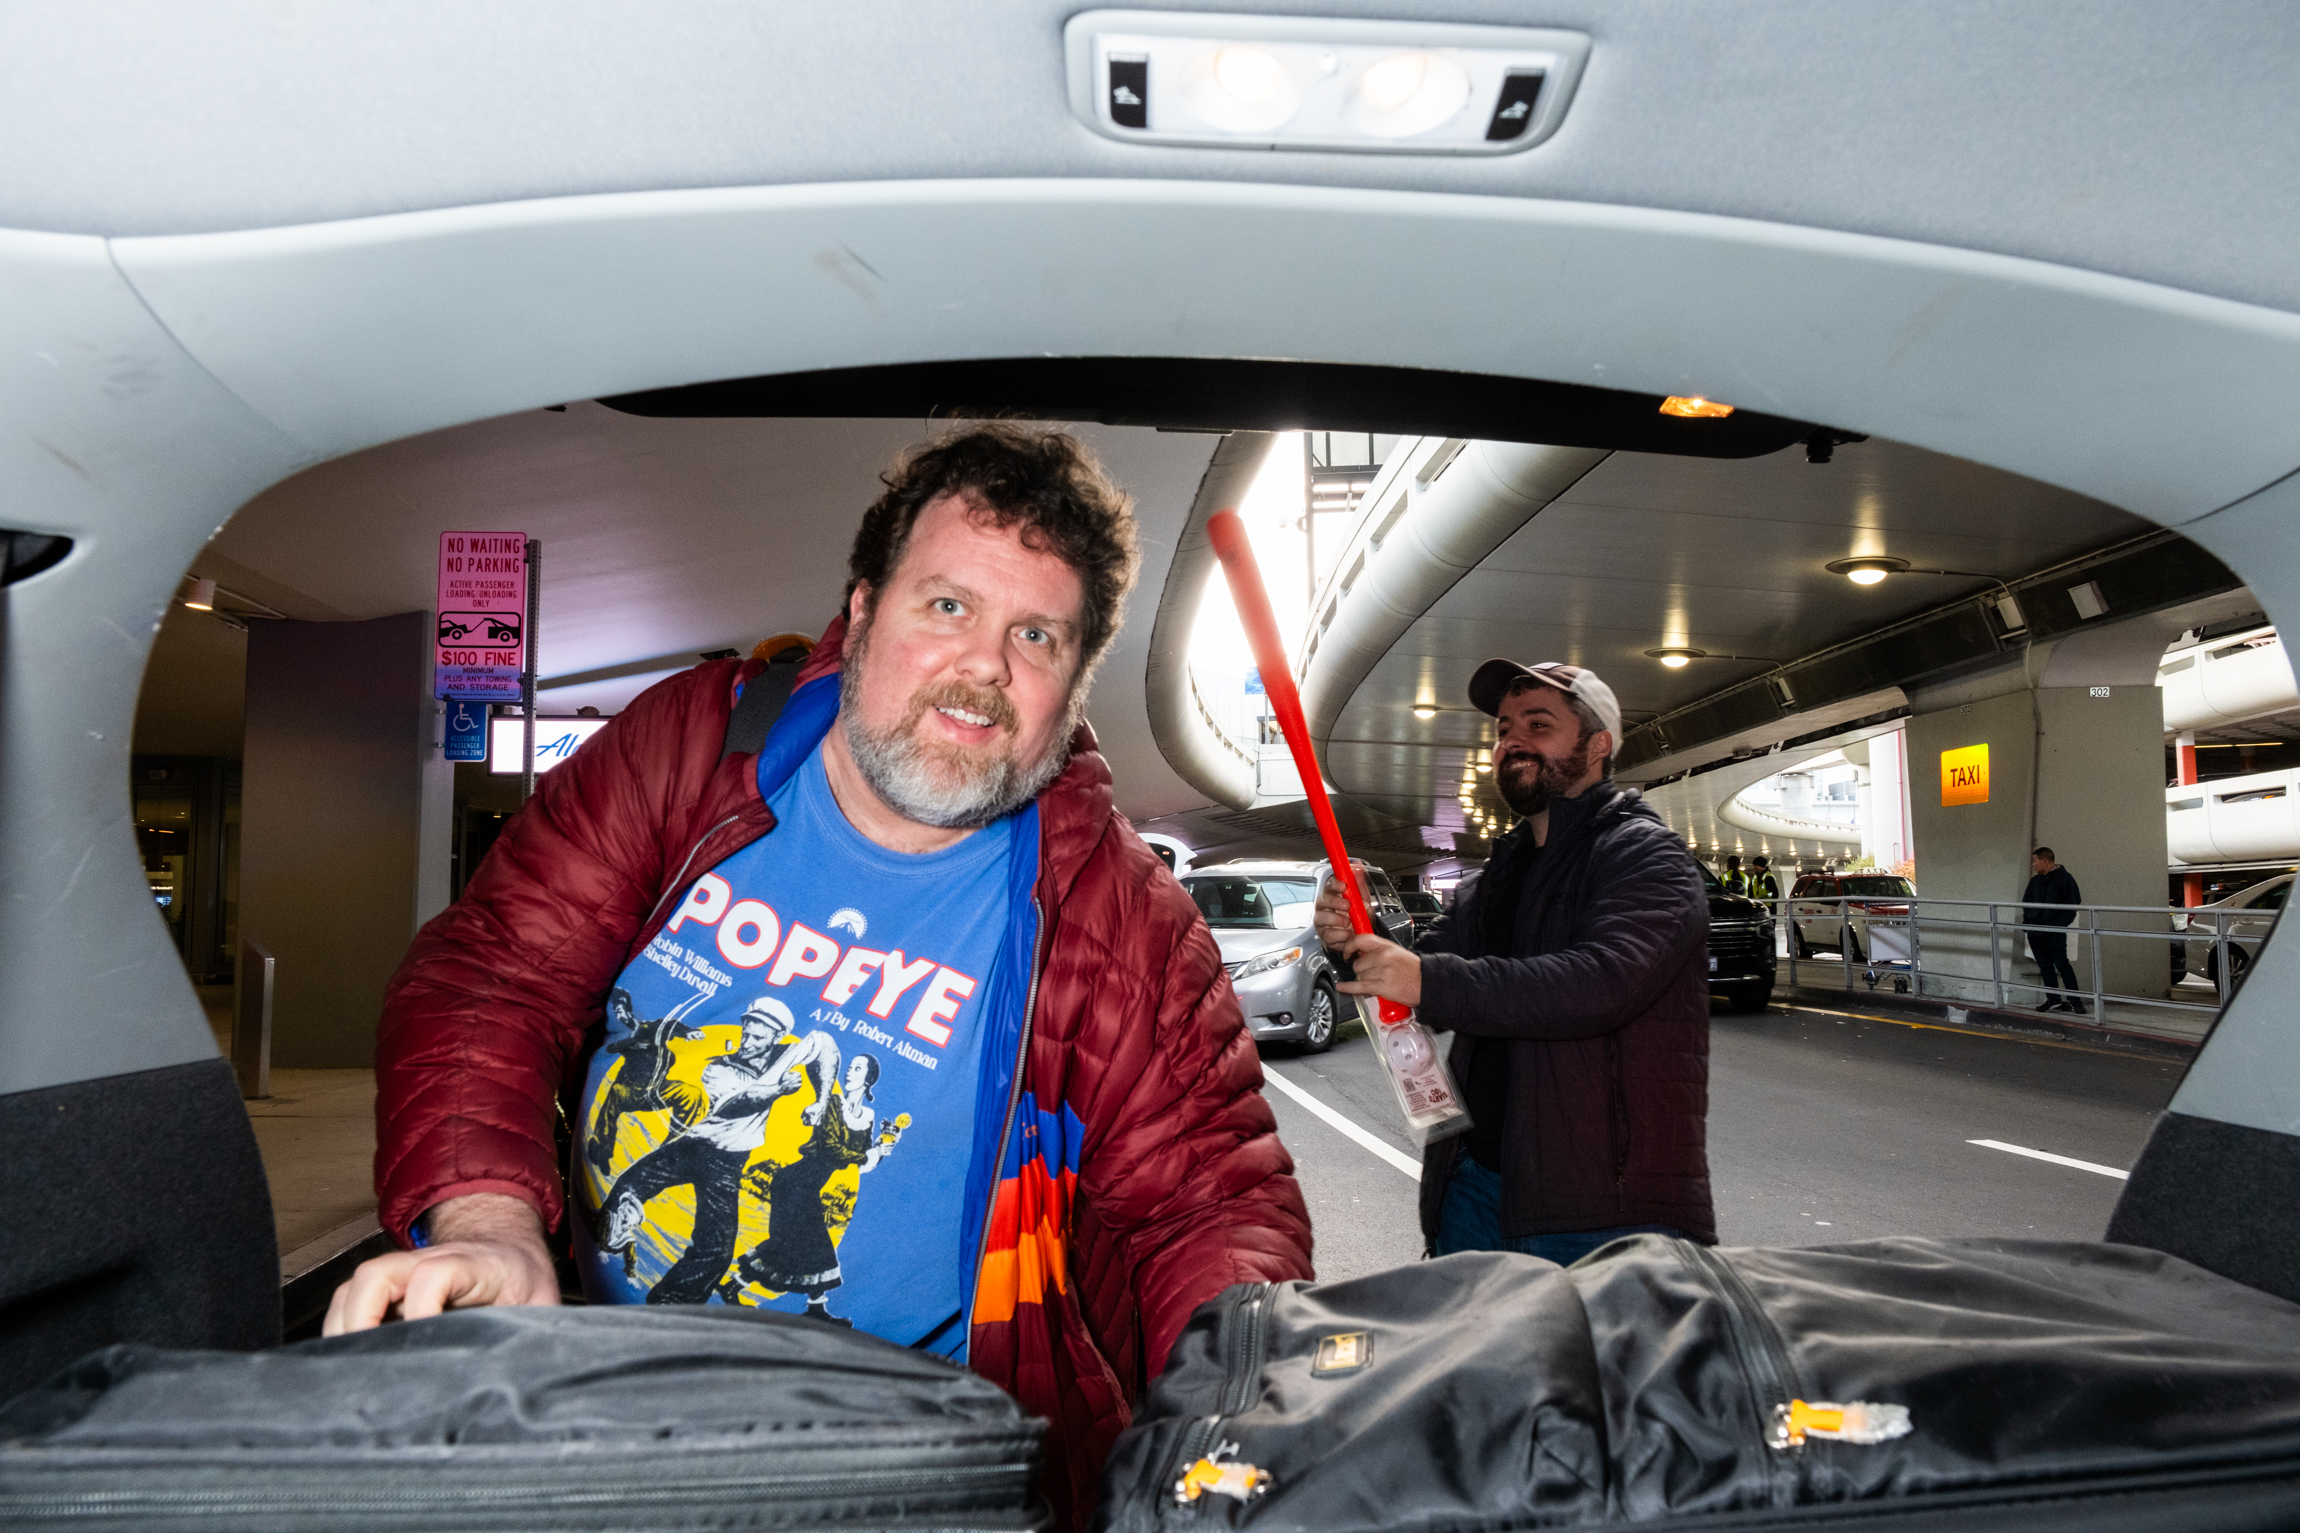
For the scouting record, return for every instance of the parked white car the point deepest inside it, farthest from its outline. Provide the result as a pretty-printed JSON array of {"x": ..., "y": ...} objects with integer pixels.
[
  {"x": 1831, "y": 911},
  {"x": 2245, "y": 916}
]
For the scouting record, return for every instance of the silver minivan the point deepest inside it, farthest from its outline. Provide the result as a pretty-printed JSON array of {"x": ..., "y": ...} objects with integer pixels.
[{"x": 1259, "y": 913}]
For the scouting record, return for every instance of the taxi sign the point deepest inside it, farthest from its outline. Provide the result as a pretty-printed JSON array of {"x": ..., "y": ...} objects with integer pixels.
[
  {"x": 1965, "y": 776},
  {"x": 481, "y": 643}
]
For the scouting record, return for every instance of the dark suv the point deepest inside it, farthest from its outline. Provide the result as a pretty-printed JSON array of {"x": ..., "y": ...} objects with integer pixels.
[
  {"x": 1423, "y": 906},
  {"x": 1741, "y": 958}
]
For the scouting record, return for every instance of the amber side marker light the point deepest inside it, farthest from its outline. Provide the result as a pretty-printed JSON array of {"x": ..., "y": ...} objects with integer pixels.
[{"x": 1695, "y": 408}]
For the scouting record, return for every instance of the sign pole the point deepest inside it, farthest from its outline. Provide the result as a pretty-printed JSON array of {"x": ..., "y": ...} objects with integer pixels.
[{"x": 527, "y": 676}]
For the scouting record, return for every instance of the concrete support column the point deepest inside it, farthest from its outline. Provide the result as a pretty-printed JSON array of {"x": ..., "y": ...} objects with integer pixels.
[
  {"x": 2076, "y": 768},
  {"x": 1883, "y": 760},
  {"x": 346, "y": 823}
]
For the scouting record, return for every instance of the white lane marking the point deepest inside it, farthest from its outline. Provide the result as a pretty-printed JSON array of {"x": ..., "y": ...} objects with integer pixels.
[
  {"x": 2058, "y": 1160},
  {"x": 1349, "y": 1130}
]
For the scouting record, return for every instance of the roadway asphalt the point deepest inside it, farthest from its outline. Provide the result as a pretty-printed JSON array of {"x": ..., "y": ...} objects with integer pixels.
[{"x": 1823, "y": 1127}]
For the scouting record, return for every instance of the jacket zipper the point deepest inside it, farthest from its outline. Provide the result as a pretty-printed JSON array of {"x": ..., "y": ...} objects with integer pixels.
[
  {"x": 1764, "y": 1363},
  {"x": 1013, "y": 1093},
  {"x": 680, "y": 881},
  {"x": 1246, "y": 1327},
  {"x": 1620, "y": 1125},
  {"x": 742, "y": 1489}
]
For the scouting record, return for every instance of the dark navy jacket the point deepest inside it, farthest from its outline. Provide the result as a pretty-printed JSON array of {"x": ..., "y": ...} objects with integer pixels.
[{"x": 2055, "y": 888}]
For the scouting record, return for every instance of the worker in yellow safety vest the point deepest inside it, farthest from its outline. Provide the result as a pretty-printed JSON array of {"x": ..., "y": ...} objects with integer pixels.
[
  {"x": 1735, "y": 881},
  {"x": 1762, "y": 884}
]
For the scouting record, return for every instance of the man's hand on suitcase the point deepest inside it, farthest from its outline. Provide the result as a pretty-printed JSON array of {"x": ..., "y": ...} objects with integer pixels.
[
  {"x": 486, "y": 1248},
  {"x": 1382, "y": 967}
]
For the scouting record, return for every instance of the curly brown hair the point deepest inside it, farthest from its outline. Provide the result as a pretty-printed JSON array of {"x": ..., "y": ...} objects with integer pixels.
[{"x": 1047, "y": 481}]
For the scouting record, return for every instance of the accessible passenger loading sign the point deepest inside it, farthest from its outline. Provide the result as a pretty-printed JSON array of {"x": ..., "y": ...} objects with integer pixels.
[{"x": 482, "y": 637}]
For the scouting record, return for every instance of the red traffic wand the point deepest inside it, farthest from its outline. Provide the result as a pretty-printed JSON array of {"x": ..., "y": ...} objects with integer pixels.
[{"x": 1425, "y": 1087}]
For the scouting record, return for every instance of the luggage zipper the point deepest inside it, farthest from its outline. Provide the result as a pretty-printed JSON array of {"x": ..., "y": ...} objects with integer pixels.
[
  {"x": 1764, "y": 1360},
  {"x": 1246, "y": 1330},
  {"x": 337, "y": 1501}
]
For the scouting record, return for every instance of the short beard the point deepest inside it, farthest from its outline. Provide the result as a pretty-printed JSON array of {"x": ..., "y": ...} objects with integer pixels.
[
  {"x": 1551, "y": 779},
  {"x": 914, "y": 777}
]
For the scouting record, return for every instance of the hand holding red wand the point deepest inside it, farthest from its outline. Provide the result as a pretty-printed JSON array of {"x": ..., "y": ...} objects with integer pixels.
[{"x": 1228, "y": 535}]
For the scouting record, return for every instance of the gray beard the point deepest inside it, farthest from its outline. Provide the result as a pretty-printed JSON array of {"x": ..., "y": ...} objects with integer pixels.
[{"x": 911, "y": 777}]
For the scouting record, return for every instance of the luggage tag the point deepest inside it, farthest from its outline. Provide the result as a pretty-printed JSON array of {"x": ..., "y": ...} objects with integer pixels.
[
  {"x": 1417, "y": 1073},
  {"x": 1220, "y": 1474},
  {"x": 1859, "y": 1422}
]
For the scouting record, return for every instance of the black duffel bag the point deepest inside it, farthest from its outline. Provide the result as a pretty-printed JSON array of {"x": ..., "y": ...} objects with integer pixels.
[
  {"x": 622, "y": 1418},
  {"x": 1961, "y": 1384}
]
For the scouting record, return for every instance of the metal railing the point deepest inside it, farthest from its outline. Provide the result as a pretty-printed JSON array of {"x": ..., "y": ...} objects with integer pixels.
[{"x": 1898, "y": 925}]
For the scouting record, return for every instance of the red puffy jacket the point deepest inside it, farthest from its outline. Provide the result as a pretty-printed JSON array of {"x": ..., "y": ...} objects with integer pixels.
[{"x": 1180, "y": 1187}]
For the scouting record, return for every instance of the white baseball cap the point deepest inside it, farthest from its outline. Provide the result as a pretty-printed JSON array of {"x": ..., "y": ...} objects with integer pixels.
[{"x": 1494, "y": 679}]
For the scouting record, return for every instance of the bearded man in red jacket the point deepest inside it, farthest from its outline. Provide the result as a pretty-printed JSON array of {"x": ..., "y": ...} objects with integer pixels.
[{"x": 954, "y": 1058}]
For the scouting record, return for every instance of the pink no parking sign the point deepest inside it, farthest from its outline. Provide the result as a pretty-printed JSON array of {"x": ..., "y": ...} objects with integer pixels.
[{"x": 482, "y": 612}]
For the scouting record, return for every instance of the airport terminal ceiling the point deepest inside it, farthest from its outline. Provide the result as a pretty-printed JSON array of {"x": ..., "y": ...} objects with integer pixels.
[
  {"x": 1728, "y": 558},
  {"x": 677, "y": 531}
]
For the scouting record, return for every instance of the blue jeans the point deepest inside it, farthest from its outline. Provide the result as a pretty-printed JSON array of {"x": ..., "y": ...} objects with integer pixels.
[{"x": 1471, "y": 1221}]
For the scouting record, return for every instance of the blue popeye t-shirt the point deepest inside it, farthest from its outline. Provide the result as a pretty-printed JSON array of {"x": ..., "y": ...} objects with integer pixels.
[{"x": 782, "y": 1113}]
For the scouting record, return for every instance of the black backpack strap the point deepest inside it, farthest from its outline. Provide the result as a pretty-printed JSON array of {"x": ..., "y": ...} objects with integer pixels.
[{"x": 762, "y": 703}]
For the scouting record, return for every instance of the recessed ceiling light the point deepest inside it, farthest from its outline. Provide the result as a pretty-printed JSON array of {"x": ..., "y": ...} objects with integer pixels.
[
  {"x": 1406, "y": 95},
  {"x": 1868, "y": 571},
  {"x": 1676, "y": 656},
  {"x": 1485, "y": 766},
  {"x": 1693, "y": 407},
  {"x": 1425, "y": 713},
  {"x": 1240, "y": 90}
]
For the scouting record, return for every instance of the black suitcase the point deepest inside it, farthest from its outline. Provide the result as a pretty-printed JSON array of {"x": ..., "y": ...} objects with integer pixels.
[
  {"x": 524, "y": 1419},
  {"x": 1959, "y": 1384}
]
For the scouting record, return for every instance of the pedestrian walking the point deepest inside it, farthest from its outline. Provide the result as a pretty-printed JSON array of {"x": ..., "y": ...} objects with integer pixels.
[{"x": 2049, "y": 885}]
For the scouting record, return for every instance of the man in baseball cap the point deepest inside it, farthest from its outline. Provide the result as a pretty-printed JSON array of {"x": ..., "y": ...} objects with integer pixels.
[
  {"x": 1574, "y": 977},
  {"x": 1496, "y": 678}
]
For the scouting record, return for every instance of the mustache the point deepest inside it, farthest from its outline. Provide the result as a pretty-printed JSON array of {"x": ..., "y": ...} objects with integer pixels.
[{"x": 989, "y": 703}]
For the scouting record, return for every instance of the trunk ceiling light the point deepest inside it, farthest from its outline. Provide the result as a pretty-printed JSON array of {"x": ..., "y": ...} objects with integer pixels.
[
  {"x": 1406, "y": 95},
  {"x": 1240, "y": 90},
  {"x": 1292, "y": 82}
]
